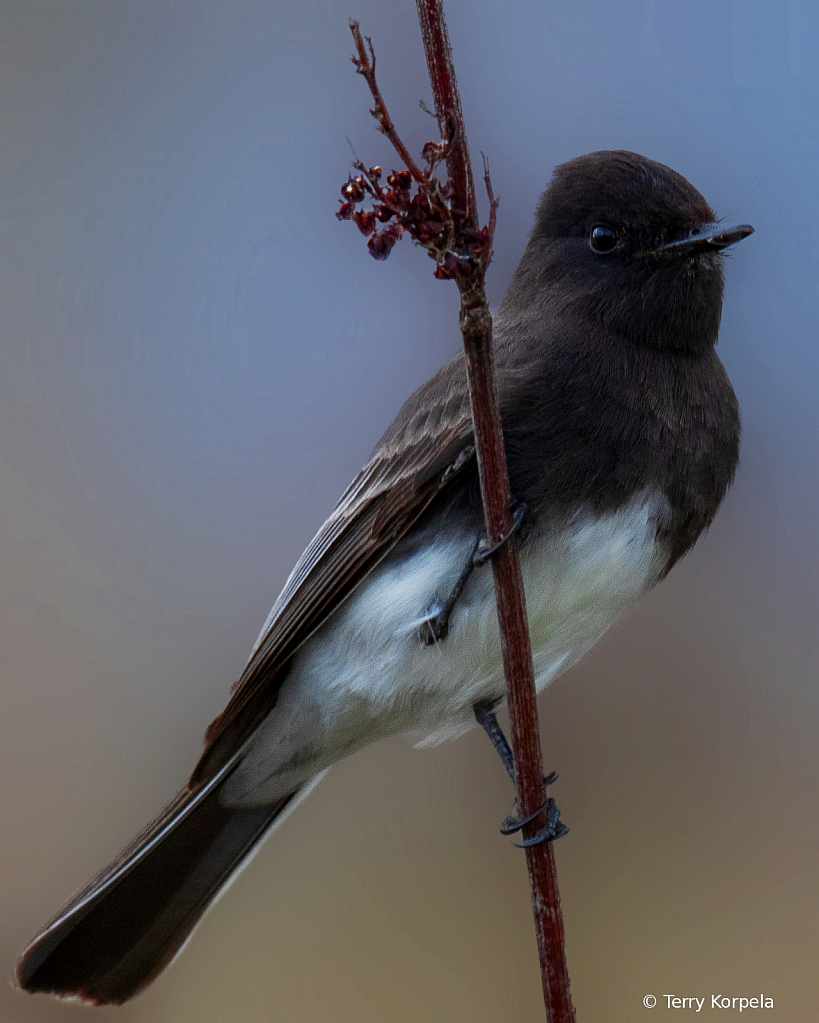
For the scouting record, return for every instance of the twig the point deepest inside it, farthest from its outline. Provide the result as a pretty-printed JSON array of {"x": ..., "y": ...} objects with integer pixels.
[
  {"x": 444, "y": 219},
  {"x": 493, "y": 202},
  {"x": 365, "y": 66},
  {"x": 476, "y": 328},
  {"x": 448, "y": 111}
]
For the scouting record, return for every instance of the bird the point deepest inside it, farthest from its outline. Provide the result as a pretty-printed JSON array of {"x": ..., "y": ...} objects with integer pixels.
[{"x": 621, "y": 431}]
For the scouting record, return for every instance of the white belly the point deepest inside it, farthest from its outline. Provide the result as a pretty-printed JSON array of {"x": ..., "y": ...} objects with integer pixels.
[{"x": 365, "y": 675}]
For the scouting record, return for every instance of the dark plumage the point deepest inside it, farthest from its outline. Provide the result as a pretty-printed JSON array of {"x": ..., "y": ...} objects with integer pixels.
[{"x": 621, "y": 427}]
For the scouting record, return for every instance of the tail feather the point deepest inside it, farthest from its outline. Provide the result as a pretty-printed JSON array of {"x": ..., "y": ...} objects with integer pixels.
[{"x": 117, "y": 934}]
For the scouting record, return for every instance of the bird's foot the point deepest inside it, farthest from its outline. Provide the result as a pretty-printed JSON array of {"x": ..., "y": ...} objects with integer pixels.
[
  {"x": 436, "y": 626},
  {"x": 553, "y": 827},
  {"x": 486, "y": 548}
]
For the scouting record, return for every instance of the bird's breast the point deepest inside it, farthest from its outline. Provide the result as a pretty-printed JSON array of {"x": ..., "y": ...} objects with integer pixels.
[
  {"x": 367, "y": 668},
  {"x": 365, "y": 675}
]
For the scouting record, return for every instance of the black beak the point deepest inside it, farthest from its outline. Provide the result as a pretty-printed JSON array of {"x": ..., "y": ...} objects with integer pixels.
[{"x": 707, "y": 238}]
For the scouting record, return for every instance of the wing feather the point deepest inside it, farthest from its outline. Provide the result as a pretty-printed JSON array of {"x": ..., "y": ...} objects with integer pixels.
[{"x": 426, "y": 447}]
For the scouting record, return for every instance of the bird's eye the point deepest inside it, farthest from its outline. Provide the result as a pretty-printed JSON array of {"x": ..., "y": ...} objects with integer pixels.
[{"x": 603, "y": 239}]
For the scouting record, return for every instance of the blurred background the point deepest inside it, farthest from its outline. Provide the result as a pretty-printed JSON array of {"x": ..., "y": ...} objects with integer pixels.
[{"x": 196, "y": 358}]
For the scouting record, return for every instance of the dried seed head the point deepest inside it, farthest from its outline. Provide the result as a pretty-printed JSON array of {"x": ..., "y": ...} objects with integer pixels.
[
  {"x": 397, "y": 198},
  {"x": 434, "y": 152},
  {"x": 427, "y": 231},
  {"x": 447, "y": 268},
  {"x": 346, "y": 211},
  {"x": 400, "y": 179},
  {"x": 381, "y": 242},
  {"x": 419, "y": 210},
  {"x": 352, "y": 190},
  {"x": 365, "y": 221},
  {"x": 420, "y": 202}
]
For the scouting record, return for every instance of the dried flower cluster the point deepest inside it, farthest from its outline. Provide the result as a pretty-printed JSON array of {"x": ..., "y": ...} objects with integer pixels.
[{"x": 426, "y": 214}]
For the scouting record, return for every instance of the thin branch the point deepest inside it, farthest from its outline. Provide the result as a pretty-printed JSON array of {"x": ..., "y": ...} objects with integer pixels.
[
  {"x": 476, "y": 328},
  {"x": 493, "y": 208},
  {"x": 365, "y": 66},
  {"x": 443, "y": 219},
  {"x": 448, "y": 111}
]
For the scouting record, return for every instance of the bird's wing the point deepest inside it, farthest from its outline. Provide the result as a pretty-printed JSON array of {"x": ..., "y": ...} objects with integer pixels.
[{"x": 425, "y": 448}]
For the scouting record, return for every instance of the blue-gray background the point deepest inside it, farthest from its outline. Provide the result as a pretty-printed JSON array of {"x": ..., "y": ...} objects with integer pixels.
[{"x": 196, "y": 358}]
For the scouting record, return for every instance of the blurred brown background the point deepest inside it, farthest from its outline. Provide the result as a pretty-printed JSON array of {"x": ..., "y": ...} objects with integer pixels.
[{"x": 196, "y": 358}]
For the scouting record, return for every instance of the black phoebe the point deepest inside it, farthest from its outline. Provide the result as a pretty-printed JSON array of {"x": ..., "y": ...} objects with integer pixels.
[{"x": 622, "y": 435}]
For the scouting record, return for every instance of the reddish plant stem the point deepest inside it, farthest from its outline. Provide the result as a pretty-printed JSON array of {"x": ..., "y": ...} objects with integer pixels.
[
  {"x": 365, "y": 66},
  {"x": 464, "y": 252},
  {"x": 476, "y": 329},
  {"x": 493, "y": 210},
  {"x": 448, "y": 112}
]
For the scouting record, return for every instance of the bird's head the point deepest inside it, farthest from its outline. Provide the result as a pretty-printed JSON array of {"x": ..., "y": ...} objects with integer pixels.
[{"x": 627, "y": 245}]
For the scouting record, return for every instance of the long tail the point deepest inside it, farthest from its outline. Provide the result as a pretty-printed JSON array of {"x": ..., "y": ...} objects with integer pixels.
[{"x": 117, "y": 934}]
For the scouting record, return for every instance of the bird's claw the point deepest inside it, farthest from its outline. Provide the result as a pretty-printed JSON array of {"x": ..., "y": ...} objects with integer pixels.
[
  {"x": 436, "y": 625},
  {"x": 486, "y": 548},
  {"x": 553, "y": 828}
]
